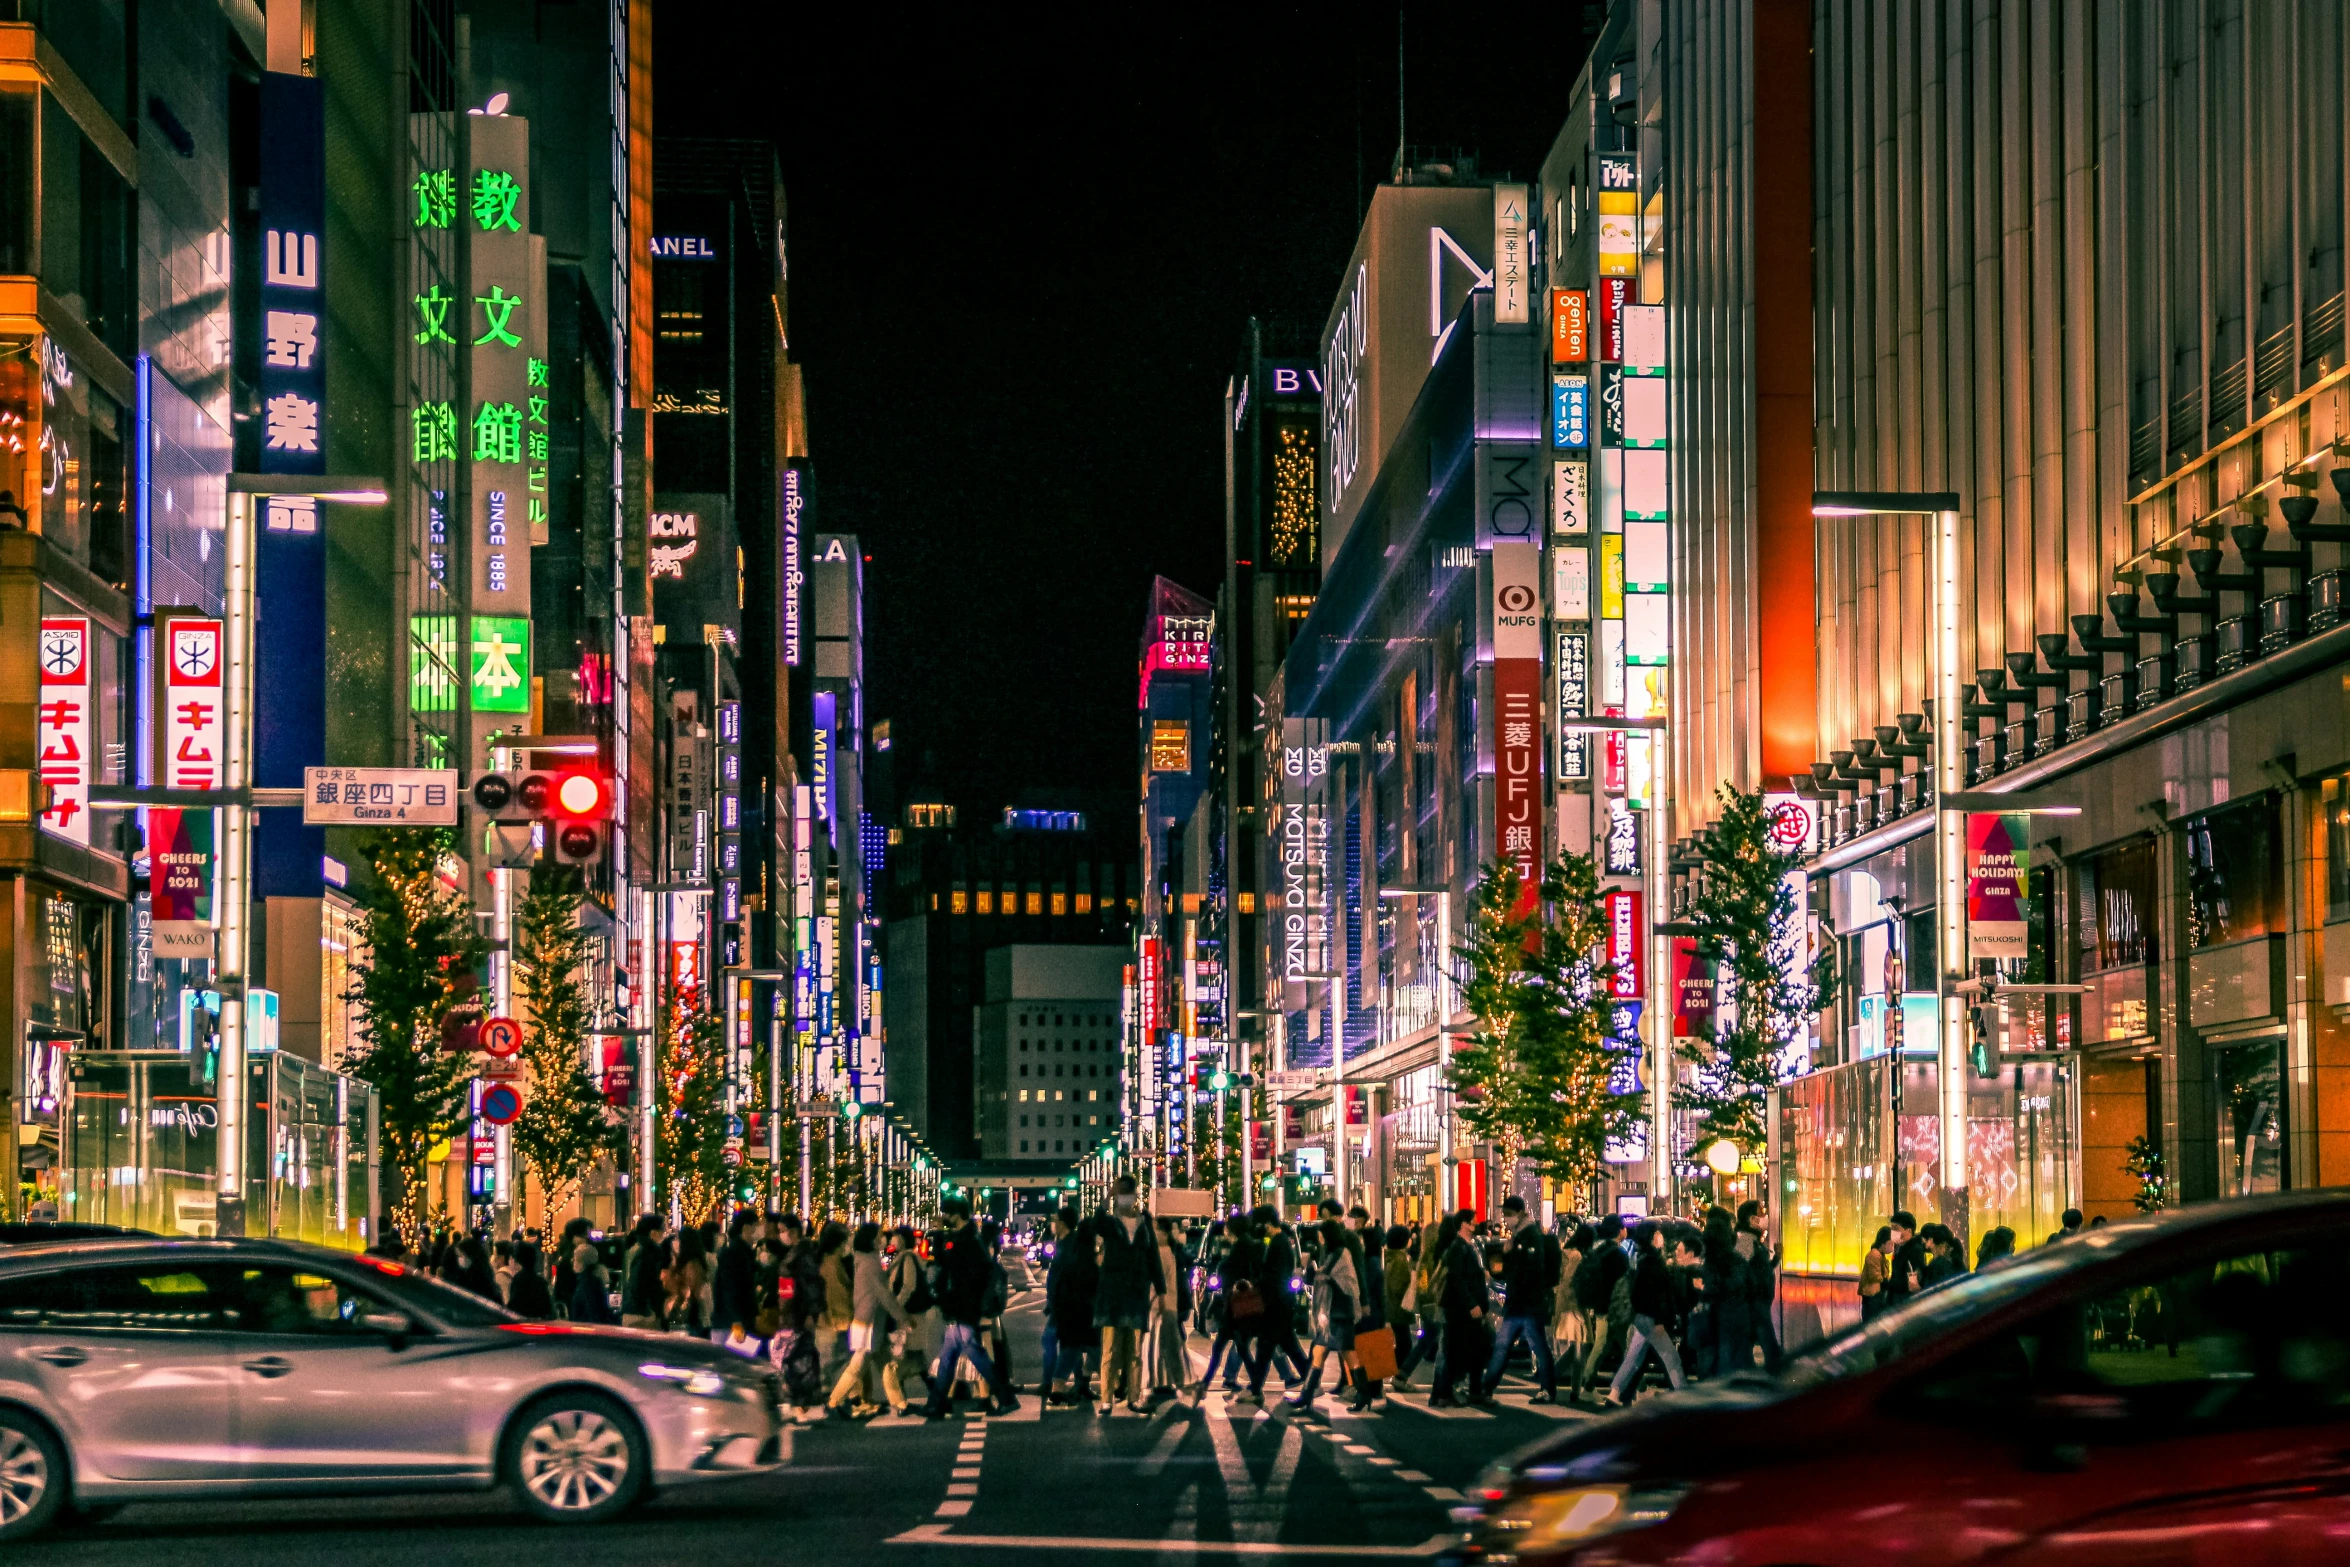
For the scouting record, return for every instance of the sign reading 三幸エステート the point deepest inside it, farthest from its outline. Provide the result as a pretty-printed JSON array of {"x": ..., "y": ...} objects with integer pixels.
[{"x": 355, "y": 796}]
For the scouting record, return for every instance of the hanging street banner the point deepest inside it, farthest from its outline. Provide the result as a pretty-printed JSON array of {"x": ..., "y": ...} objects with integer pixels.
[
  {"x": 1998, "y": 856},
  {"x": 179, "y": 861}
]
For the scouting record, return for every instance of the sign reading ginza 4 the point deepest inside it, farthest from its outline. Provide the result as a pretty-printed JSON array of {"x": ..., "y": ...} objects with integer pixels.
[{"x": 363, "y": 796}]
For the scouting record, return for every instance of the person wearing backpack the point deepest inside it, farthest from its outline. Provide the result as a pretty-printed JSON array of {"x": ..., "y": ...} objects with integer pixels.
[
  {"x": 1427, "y": 1289},
  {"x": 1241, "y": 1315},
  {"x": 1599, "y": 1280}
]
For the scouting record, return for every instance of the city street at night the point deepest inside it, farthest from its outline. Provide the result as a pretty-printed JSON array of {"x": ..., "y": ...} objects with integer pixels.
[{"x": 770, "y": 768}]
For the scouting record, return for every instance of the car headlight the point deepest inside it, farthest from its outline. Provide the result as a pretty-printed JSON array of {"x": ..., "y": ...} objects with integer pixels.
[
  {"x": 699, "y": 1381},
  {"x": 1585, "y": 1512}
]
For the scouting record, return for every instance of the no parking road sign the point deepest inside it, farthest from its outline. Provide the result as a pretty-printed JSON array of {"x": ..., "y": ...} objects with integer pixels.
[{"x": 501, "y": 1103}]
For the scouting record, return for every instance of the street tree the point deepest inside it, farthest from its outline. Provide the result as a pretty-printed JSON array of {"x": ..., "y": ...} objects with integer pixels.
[
  {"x": 1748, "y": 920},
  {"x": 689, "y": 1129},
  {"x": 421, "y": 949},
  {"x": 1541, "y": 1077},
  {"x": 564, "y": 1125}
]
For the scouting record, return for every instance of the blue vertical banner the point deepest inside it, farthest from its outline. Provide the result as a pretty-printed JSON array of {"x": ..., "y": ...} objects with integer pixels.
[{"x": 289, "y": 643}]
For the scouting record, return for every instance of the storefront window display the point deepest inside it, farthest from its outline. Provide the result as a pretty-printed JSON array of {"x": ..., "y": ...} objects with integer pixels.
[
  {"x": 2116, "y": 935},
  {"x": 143, "y": 1147},
  {"x": 2251, "y": 1115},
  {"x": 2235, "y": 889},
  {"x": 62, "y": 456}
]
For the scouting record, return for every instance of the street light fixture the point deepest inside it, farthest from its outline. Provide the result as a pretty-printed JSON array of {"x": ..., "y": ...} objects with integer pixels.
[{"x": 1949, "y": 816}]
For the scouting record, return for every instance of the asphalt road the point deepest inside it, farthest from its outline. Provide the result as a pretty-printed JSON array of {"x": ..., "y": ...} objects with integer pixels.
[{"x": 1038, "y": 1488}]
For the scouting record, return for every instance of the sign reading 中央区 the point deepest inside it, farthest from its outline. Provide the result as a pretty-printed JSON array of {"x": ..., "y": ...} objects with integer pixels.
[
  {"x": 1570, "y": 326},
  {"x": 1517, "y": 700},
  {"x": 194, "y": 726},
  {"x": 362, "y": 796},
  {"x": 62, "y": 726},
  {"x": 1998, "y": 858},
  {"x": 179, "y": 869}
]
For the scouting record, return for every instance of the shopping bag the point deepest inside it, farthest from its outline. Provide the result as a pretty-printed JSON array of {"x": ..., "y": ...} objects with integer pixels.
[{"x": 1375, "y": 1347}]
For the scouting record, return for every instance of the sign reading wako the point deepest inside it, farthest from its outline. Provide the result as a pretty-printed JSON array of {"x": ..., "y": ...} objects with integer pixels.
[{"x": 179, "y": 860}]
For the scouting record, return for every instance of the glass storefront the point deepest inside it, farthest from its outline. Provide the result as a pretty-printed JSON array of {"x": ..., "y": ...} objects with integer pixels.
[
  {"x": 1864, "y": 1139},
  {"x": 142, "y": 1147}
]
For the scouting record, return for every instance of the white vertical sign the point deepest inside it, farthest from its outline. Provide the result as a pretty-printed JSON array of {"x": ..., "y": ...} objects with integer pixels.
[
  {"x": 63, "y": 726},
  {"x": 1509, "y": 255},
  {"x": 194, "y": 726}
]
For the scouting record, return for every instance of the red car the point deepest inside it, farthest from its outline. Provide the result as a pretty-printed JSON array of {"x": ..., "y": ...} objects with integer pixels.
[{"x": 2173, "y": 1390}]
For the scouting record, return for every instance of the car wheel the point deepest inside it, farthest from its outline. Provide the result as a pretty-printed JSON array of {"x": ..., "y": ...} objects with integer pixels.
[
  {"x": 32, "y": 1476},
  {"x": 576, "y": 1458}
]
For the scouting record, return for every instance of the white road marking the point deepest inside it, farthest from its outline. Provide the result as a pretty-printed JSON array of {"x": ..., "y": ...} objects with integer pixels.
[
  {"x": 963, "y": 1474},
  {"x": 1414, "y": 1476},
  {"x": 962, "y": 1490},
  {"x": 1457, "y": 1412},
  {"x": 940, "y": 1534},
  {"x": 1155, "y": 1462},
  {"x": 1443, "y": 1493},
  {"x": 1256, "y": 1510},
  {"x": 952, "y": 1510}
]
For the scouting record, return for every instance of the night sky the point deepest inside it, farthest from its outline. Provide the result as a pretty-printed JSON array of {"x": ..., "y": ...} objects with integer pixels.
[{"x": 1023, "y": 259}]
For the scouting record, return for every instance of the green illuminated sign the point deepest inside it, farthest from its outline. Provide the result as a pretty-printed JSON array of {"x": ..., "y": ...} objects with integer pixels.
[
  {"x": 436, "y": 198},
  {"x": 501, "y": 664},
  {"x": 495, "y": 193},
  {"x": 432, "y": 663}
]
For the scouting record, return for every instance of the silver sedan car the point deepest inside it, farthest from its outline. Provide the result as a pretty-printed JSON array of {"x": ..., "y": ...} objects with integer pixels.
[{"x": 145, "y": 1370}]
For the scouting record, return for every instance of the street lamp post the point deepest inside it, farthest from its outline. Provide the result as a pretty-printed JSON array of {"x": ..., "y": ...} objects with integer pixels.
[
  {"x": 1951, "y": 962},
  {"x": 231, "y": 907}
]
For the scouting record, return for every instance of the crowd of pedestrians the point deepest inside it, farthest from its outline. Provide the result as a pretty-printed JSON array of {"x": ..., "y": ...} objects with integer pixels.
[{"x": 859, "y": 1321}]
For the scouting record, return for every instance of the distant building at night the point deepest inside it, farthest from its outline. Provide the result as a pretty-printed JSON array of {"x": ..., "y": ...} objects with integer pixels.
[
  {"x": 1039, "y": 876},
  {"x": 1046, "y": 1033}
]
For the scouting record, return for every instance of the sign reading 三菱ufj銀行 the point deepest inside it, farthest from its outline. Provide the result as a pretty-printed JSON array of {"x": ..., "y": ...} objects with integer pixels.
[
  {"x": 1998, "y": 859},
  {"x": 1517, "y": 698},
  {"x": 378, "y": 796}
]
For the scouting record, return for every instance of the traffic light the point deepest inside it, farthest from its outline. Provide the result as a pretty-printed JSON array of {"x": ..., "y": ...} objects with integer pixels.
[
  {"x": 1221, "y": 1081},
  {"x": 852, "y": 1110},
  {"x": 1981, "y": 1051},
  {"x": 582, "y": 800}
]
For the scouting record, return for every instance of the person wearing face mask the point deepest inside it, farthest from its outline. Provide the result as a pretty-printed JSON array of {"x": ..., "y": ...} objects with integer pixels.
[{"x": 1127, "y": 1278}]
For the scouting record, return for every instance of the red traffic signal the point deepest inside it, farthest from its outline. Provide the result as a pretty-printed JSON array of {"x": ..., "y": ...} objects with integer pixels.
[{"x": 583, "y": 796}]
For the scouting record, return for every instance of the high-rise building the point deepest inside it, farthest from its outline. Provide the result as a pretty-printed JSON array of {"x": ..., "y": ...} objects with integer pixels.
[
  {"x": 1047, "y": 1036},
  {"x": 1042, "y": 875}
]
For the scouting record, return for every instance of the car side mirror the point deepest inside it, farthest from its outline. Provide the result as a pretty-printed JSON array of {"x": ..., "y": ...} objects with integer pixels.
[{"x": 393, "y": 1325}]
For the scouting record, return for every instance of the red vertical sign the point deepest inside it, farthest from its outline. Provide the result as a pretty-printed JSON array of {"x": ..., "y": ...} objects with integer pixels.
[
  {"x": 1614, "y": 294},
  {"x": 195, "y": 726},
  {"x": 1627, "y": 944},
  {"x": 1517, "y": 710}
]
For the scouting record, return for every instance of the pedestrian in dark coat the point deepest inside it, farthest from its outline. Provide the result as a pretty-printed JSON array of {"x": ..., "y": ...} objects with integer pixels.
[
  {"x": 1126, "y": 1250},
  {"x": 1068, "y": 1308}
]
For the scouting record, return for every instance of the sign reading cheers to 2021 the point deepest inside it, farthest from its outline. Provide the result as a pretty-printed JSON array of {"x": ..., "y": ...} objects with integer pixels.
[{"x": 1998, "y": 858}]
